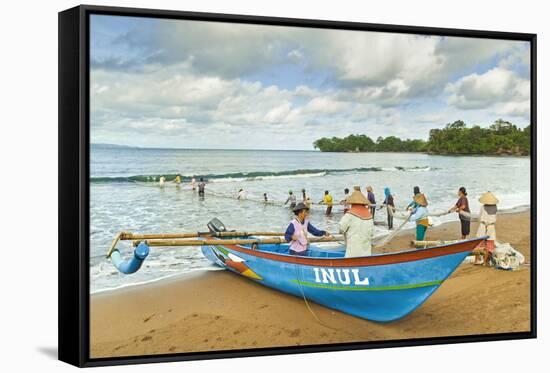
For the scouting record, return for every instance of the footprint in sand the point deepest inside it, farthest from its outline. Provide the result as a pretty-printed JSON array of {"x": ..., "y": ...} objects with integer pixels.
[
  {"x": 146, "y": 338},
  {"x": 294, "y": 333},
  {"x": 148, "y": 318}
]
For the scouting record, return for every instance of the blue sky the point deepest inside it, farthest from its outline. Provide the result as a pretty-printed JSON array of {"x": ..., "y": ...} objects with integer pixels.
[{"x": 191, "y": 84}]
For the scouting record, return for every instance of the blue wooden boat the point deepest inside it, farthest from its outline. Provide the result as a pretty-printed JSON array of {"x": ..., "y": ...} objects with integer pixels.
[{"x": 381, "y": 288}]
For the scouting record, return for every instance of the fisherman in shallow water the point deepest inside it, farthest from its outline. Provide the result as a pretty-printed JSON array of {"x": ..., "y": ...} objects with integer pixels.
[
  {"x": 297, "y": 230},
  {"x": 265, "y": 198},
  {"x": 306, "y": 199},
  {"x": 241, "y": 194},
  {"x": 327, "y": 200},
  {"x": 193, "y": 183},
  {"x": 357, "y": 225},
  {"x": 162, "y": 180},
  {"x": 389, "y": 204},
  {"x": 292, "y": 199},
  {"x": 487, "y": 222},
  {"x": 344, "y": 202},
  {"x": 418, "y": 209},
  {"x": 463, "y": 208},
  {"x": 202, "y": 187},
  {"x": 177, "y": 180}
]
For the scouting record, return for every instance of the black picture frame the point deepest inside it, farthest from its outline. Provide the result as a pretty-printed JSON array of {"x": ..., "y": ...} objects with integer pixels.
[{"x": 74, "y": 182}]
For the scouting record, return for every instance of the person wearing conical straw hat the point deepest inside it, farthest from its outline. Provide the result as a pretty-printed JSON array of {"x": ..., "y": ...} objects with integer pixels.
[
  {"x": 296, "y": 232},
  {"x": 357, "y": 225},
  {"x": 487, "y": 221},
  {"x": 419, "y": 213}
]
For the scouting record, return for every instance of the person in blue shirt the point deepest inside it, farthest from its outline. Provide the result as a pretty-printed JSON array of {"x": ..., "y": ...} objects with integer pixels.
[{"x": 297, "y": 230}]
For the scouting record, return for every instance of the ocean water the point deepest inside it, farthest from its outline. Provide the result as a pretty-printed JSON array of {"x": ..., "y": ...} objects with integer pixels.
[{"x": 125, "y": 195}]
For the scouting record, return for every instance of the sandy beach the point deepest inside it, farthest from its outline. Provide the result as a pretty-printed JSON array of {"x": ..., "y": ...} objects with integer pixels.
[{"x": 219, "y": 310}]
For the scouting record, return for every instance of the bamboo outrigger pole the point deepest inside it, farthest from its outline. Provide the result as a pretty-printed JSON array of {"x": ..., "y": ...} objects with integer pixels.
[
  {"x": 431, "y": 243},
  {"x": 249, "y": 241},
  {"x": 149, "y": 236}
]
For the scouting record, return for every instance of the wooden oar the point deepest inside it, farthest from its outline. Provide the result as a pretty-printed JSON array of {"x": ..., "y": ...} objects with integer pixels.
[
  {"x": 149, "y": 236},
  {"x": 250, "y": 241}
]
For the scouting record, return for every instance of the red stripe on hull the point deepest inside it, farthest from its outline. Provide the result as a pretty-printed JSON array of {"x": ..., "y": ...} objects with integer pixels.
[{"x": 401, "y": 257}]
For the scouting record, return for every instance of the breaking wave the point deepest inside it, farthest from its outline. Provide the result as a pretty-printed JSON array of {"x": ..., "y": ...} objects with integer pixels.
[{"x": 259, "y": 175}]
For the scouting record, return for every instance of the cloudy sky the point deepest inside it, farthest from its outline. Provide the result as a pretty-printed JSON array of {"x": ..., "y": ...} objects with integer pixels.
[{"x": 189, "y": 84}]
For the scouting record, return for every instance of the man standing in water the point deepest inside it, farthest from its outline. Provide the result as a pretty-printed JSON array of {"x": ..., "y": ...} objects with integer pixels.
[
  {"x": 292, "y": 199},
  {"x": 306, "y": 199},
  {"x": 241, "y": 194},
  {"x": 327, "y": 200},
  {"x": 162, "y": 179},
  {"x": 296, "y": 232},
  {"x": 202, "y": 186},
  {"x": 193, "y": 183},
  {"x": 344, "y": 201}
]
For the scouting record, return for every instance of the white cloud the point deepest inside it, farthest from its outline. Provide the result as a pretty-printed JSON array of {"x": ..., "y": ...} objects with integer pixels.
[
  {"x": 498, "y": 88},
  {"x": 182, "y": 81}
]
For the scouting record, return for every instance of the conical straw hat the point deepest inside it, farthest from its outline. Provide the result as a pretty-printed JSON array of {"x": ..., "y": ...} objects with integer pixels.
[
  {"x": 488, "y": 199},
  {"x": 357, "y": 198},
  {"x": 421, "y": 199}
]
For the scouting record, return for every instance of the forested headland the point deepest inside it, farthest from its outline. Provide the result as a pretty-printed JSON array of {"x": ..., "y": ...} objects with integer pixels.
[{"x": 501, "y": 138}]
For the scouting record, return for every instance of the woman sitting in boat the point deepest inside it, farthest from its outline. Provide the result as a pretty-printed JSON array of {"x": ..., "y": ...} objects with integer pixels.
[
  {"x": 419, "y": 213},
  {"x": 357, "y": 225},
  {"x": 296, "y": 233}
]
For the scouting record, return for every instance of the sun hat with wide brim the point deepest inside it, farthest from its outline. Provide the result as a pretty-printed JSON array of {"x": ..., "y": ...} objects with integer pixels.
[
  {"x": 420, "y": 198},
  {"x": 357, "y": 198},
  {"x": 488, "y": 199},
  {"x": 300, "y": 206}
]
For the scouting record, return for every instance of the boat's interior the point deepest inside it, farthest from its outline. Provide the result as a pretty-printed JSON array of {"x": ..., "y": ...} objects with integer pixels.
[{"x": 314, "y": 251}]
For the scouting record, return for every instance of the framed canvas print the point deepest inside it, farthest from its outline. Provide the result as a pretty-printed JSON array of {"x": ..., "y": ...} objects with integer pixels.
[{"x": 234, "y": 186}]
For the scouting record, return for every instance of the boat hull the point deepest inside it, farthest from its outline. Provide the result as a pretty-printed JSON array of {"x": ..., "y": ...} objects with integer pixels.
[{"x": 381, "y": 288}]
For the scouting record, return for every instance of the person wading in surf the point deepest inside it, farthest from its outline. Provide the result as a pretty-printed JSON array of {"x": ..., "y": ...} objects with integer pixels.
[
  {"x": 296, "y": 232},
  {"x": 327, "y": 200},
  {"x": 202, "y": 186},
  {"x": 344, "y": 201},
  {"x": 357, "y": 225},
  {"x": 292, "y": 199}
]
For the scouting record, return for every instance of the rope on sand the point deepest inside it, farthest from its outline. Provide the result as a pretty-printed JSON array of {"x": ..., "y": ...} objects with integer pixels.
[{"x": 299, "y": 279}]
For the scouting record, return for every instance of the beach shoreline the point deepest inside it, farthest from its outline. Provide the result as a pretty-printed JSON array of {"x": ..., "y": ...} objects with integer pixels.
[{"x": 219, "y": 310}]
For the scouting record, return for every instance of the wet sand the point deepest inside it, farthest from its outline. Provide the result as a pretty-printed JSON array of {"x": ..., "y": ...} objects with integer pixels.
[{"x": 219, "y": 310}]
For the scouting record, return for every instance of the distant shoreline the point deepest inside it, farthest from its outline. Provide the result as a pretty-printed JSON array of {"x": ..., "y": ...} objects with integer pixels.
[{"x": 116, "y": 146}]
